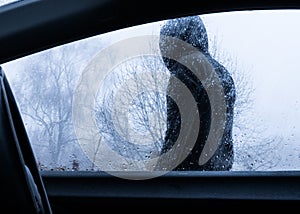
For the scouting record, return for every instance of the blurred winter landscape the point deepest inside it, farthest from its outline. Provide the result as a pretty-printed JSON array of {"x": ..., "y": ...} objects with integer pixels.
[{"x": 259, "y": 48}]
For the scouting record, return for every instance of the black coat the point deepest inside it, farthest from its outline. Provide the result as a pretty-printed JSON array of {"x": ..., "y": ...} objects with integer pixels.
[{"x": 192, "y": 31}]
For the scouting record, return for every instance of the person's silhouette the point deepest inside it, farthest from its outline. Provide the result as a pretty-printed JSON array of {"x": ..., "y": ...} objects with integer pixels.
[{"x": 192, "y": 31}]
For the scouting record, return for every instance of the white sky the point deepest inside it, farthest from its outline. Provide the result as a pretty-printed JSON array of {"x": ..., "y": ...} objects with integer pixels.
[
  {"x": 4, "y": 2},
  {"x": 268, "y": 43}
]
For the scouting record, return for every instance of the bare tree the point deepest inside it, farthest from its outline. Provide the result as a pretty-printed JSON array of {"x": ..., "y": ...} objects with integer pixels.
[
  {"x": 48, "y": 100},
  {"x": 138, "y": 87},
  {"x": 44, "y": 88}
]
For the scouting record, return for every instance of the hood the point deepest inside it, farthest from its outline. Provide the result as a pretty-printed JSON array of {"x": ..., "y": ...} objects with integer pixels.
[{"x": 189, "y": 29}]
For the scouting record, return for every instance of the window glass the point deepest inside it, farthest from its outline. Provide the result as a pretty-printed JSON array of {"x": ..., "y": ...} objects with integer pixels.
[
  {"x": 211, "y": 92},
  {"x": 5, "y": 2}
]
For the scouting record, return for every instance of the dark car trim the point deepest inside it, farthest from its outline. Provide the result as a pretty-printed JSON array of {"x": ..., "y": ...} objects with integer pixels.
[
  {"x": 35, "y": 25},
  {"x": 198, "y": 190}
]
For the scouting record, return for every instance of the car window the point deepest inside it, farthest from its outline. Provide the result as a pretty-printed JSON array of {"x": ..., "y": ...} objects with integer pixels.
[
  {"x": 5, "y": 2},
  {"x": 209, "y": 92}
]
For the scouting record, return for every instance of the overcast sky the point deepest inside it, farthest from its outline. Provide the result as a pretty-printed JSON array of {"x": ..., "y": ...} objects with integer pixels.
[{"x": 268, "y": 43}]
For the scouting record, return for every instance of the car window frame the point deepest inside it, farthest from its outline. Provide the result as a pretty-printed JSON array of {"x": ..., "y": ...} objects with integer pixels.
[{"x": 71, "y": 24}]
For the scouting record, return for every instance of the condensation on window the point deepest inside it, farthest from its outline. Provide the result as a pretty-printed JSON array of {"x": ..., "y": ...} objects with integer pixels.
[{"x": 87, "y": 106}]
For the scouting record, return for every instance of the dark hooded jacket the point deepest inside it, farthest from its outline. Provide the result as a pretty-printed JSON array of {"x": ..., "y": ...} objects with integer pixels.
[{"x": 192, "y": 30}]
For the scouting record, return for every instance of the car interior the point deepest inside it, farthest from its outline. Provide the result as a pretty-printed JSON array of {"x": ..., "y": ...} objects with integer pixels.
[{"x": 32, "y": 26}]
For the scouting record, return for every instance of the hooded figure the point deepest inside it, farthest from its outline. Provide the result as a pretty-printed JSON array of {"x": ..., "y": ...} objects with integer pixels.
[{"x": 192, "y": 31}]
